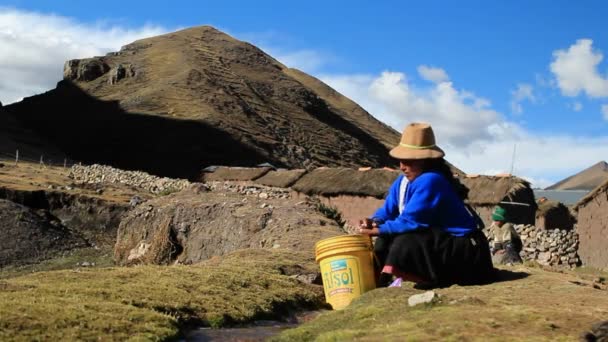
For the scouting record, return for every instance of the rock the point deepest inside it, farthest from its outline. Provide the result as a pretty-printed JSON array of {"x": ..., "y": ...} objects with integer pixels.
[
  {"x": 120, "y": 72},
  {"x": 30, "y": 236},
  {"x": 423, "y": 298},
  {"x": 544, "y": 257},
  {"x": 311, "y": 278},
  {"x": 219, "y": 222},
  {"x": 138, "y": 252},
  {"x": 598, "y": 332},
  {"x": 135, "y": 200},
  {"x": 84, "y": 69}
]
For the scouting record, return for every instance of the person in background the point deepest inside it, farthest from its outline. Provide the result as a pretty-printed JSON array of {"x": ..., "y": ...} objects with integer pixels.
[
  {"x": 504, "y": 240},
  {"x": 424, "y": 232}
]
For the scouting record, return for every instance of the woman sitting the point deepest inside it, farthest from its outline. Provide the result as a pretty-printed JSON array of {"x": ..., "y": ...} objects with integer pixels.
[{"x": 425, "y": 232}]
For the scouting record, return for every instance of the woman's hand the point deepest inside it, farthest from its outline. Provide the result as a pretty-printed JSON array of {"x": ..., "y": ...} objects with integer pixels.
[
  {"x": 370, "y": 232},
  {"x": 368, "y": 227}
]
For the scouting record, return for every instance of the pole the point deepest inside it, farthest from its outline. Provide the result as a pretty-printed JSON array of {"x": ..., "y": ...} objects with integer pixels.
[
  {"x": 16, "y": 157},
  {"x": 513, "y": 159}
]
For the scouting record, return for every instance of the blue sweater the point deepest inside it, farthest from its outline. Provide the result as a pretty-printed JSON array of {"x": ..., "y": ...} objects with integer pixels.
[{"x": 430, "y": 201}]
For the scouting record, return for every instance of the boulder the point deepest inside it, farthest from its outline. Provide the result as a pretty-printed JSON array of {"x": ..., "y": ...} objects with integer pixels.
[
  {"x": 190, "y": 226},
  {"x": 29, "y": 236}
]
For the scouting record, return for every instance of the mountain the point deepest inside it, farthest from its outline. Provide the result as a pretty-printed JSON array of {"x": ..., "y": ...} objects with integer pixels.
[
  {"x": 587, "y": 179},
  {"x": 15, "y": 137},
  {"x": 178, "y": 102}
]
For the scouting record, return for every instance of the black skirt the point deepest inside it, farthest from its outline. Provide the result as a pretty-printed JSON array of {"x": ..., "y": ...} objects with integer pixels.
[{"x": 437, "y": 256}]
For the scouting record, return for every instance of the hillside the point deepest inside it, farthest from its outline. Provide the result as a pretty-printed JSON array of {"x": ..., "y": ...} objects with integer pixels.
[
  {"x": 14, "y": 136},
  {"x": 178, "y": 102},
  {"x": 587, "y": 179}
]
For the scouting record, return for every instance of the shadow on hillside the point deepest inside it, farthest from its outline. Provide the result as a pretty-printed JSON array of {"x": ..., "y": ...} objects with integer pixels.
[
  {"x": 94, "y": 131},
  {"x": 319, "y": 109}
]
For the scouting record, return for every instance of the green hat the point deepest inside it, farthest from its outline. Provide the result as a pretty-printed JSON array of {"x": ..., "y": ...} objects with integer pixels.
[{"x": 499, "y": 214}]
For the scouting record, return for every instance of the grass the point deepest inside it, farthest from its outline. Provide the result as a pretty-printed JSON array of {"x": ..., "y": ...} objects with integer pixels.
[
  {"x": 100, "y": 257},
  {"x": 28, "y": 176},
  {"x": 544, "y": 306},
  {"x": 328, "y": 211},
  {"x": 152, "y": 302}
]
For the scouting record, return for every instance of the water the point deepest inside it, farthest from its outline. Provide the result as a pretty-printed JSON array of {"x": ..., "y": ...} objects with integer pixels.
[
  {"x": 256, "y": 331},
  {"x": 568, "y": 197}
]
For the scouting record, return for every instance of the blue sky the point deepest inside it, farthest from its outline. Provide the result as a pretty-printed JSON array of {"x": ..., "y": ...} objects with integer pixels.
[{"x": 489, "y": 75}]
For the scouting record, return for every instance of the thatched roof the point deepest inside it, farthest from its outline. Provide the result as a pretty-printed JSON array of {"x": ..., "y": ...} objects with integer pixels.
[
  {"x": 342, "y": 181},
  {"x": 546, "y": 207},
  {"x": 224, "y": 173},
  {"x": 281, "y": 178},
  {"x": 489, "y": 190},
  {"x": 600, "y": 189}
]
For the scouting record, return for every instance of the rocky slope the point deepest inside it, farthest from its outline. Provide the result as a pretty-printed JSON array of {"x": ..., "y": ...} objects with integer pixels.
[
  {"x": 201, "y": 222},
  {"x": 175, "y": 103},
  {"x": 588, "y": 179},
  {"x": 29, "y": 236}
]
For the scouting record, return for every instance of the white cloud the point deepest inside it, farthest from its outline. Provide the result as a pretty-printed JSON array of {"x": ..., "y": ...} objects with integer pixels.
[
  {"x": 35, "y": 47},
  {"x": 542, "y": 159},
  {"x": 577, "y": 106},
  {"x": 305, "y": 60},
  {"x": 576, "y": 70},
  {"x": 476, "y": 138},
  {"x": 459, "y": 116},
  {"x": 605, "y": 111},
  {"x": 431, "y": 74},
  {"x": 523, "y": 92}
]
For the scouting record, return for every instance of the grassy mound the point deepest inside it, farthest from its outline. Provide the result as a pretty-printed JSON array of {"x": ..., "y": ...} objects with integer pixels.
[
  {"x": 153, "y": 302},
  {"x": 542, "y": 306}
]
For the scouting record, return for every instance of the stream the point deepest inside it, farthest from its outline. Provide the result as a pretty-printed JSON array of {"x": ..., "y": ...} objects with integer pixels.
[{"x": 256, "y": 331}]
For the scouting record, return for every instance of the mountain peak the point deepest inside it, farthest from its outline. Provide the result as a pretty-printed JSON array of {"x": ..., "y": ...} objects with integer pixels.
[
  {"x": 214, "y": 86},
  {"x": 588, "y": 179}
]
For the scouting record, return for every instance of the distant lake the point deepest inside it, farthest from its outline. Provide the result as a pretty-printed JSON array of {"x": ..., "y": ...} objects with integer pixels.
[{"x": 567, "y": 197}]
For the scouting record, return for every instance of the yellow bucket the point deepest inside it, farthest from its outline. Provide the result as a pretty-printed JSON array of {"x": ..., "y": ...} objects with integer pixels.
[{"x": 346, "y": 268}]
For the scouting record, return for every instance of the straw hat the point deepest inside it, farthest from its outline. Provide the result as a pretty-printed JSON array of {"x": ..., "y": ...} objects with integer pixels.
[{"x": 417, "y": 142}]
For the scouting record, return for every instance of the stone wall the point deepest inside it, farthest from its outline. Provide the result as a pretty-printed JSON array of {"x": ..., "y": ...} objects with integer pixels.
[
  {"x": 100, "y": 173},
  {"x": 351, "y": 208},
  {"x": 549, "y": 247},
  {"x": 554, "y": 247},
  {"x": 592, "y": 227}
]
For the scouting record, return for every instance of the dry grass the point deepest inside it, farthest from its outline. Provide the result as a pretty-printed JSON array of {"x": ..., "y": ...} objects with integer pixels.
[
  {"x": 545, "y": 306},
  {"x": 234, "y": 174},
  {"x": 281, "y": 178},
  {"x": 489, "y": 190},
  {"x": 27, "y": 176},
  {"x": 151, "y": 302},
  {"x": 343, "y": 181}
]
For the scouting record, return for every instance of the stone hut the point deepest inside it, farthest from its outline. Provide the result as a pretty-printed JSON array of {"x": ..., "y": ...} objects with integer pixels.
[
  {"x": 592, "y": 227},
  {"x": 355, "y": 193},
  {"x": 553, "y": 215},
  {"x": 512, "y": 193}
]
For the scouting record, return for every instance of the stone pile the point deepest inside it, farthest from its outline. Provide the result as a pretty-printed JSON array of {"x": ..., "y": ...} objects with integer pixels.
[
  {"x": 93, "y": 174},
  {"x": 554, "y": 247},
  {"x": 255, "y": 190}
]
